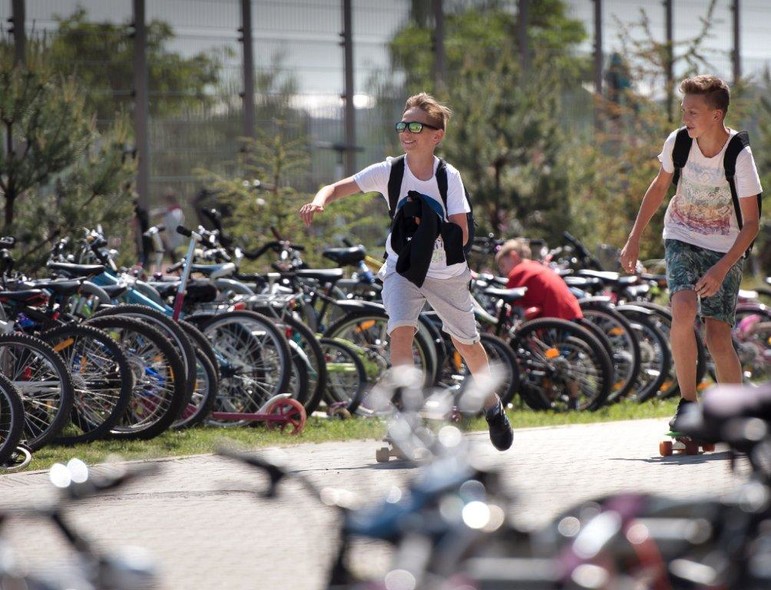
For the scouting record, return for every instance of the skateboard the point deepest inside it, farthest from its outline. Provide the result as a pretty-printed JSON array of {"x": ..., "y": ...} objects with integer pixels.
[
  {"x": 684, "y": 444},
  {"x": 391, "y": 449}
]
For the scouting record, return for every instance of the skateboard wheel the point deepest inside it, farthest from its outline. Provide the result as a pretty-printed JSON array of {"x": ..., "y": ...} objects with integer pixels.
[
  {"x": 691, "y": 448},
  {"x": 665, "y": 448},
  {"x": 708, "y": 447},
  {"x": 338, "y": 412},
  {"x": 382, "y": 455}
]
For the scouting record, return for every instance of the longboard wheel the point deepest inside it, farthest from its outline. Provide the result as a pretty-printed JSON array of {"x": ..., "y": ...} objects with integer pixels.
[
  {"x": 691, "y": 448},
  {"x": 708, "y": 447},
  {"x": 339, "y": 412},
  {"x": 382, "y": 455},
  {"x": 665, "y": 448}
]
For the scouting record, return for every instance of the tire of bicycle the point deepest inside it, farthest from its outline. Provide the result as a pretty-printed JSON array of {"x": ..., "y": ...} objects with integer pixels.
[
  {"x": 310, "y": 355},
  {"x": 160, "y": 389},
  {"x": 753, "y": 349},
  {"x": 346, "y": 375},
  {"x": 549, "y": 350},
  {"x": 625, "y": 349},
  {"x": 207, "y": 380},
  {"x": 204, "y": 394},
  {"x": 199, "y": 340},
  {"x": 662, "y": 319},
  {"x": 367, "y": 330},
  {"x": 454, "y": 371},
  {"x": 501, "y": 354},
  {"x": 602, "y": 339},
  {"x": 45, "y": 385},
  {"x": 430, "y": 326},
  {"x": 102, "y": 378},
  {"x": 300, "y": 375},
  {"x": 750, "y": 336},
  {"x": 254, "y": 362},
  {"x": 655, "y": 354},
  {"x": 11, "y": 419},
  {"x": 169, "y": 328}
]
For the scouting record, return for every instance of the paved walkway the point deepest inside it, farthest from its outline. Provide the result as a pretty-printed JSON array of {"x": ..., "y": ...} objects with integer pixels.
[{"x": 200, "y": 518}]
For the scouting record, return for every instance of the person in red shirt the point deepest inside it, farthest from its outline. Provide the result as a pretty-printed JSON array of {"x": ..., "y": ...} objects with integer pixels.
[{"x": 545, "y": 288}]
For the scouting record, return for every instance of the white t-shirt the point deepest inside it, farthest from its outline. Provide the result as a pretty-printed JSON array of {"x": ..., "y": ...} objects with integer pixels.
[
  {"x": 702, "y": 211},
  {"x": 374, "y": 178}
]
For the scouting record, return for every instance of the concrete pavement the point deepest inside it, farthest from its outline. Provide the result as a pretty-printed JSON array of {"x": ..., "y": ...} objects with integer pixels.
[{"x": 200, "y": 518}]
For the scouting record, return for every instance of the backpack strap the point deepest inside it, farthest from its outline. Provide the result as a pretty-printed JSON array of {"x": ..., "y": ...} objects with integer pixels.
[
  {"x": 680, "y": 152},
  {"x": 395, "y": 184},
  {"x": 441, "y": 182},
  {"x": 737, "y": 143}
]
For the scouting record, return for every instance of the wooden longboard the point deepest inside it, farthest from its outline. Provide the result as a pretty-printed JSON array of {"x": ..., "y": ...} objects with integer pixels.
[{"x": 682, "y": 443}]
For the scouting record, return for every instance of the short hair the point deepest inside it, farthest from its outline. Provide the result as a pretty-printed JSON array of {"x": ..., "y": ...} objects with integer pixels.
[
  {"x": 519, "y": 245},
  {"x": 438, "y": 113},
  {"x": 714, "y": 90}
]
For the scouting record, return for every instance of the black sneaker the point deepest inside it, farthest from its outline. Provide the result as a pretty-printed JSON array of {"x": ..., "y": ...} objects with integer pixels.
[
  {"x": 501, "y": 434},
  {"x": 682, "y": 408}
]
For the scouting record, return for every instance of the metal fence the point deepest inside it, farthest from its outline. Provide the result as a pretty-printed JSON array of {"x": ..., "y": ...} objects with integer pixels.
[{"x": 300, "y": 40}]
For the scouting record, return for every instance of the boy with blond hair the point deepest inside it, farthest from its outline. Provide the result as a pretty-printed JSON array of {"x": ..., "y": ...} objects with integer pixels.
[{"x": 440, "y": 274}]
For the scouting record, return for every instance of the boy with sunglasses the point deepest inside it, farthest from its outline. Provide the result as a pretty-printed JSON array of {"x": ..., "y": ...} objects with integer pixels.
[{"x": 445, "y": 286}]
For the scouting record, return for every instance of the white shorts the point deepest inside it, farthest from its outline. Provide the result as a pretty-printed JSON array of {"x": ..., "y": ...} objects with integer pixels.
[{"x": 450, "y": 298}]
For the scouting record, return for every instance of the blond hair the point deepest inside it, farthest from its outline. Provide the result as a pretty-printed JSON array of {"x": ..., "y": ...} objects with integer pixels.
[
  {"x": 438, "y": 113},
  {"x": 519, "y": 245},
  {"x": 714, "y": 90}
]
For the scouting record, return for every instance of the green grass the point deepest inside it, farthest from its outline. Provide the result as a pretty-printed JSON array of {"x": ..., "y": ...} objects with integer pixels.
[{"x": 202, "y": 440}]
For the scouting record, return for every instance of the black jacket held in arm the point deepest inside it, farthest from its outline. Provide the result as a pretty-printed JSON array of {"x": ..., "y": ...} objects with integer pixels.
[{"x": 414, "y": 242}]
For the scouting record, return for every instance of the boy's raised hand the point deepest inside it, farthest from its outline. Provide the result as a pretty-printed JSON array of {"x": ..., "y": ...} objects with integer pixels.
[{"x": 308, "y": 210}]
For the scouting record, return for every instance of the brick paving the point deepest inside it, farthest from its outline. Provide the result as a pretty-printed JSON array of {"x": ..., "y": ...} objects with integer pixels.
[{"x": 200, "y": 518}]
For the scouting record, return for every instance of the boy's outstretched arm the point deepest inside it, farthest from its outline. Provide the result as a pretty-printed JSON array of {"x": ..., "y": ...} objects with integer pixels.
[
  {"x": 652, "y": 200},
  {"x": 327, "y": 194}
]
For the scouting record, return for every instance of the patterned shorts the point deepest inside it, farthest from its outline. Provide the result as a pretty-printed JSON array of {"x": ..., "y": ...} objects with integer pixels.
[{"x": 687, "y": 263}]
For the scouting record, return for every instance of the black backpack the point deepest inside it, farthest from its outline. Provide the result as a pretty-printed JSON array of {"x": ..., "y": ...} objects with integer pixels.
[
  {"x": 395, "y": 187},
  {"x": 737, "y": 143}
]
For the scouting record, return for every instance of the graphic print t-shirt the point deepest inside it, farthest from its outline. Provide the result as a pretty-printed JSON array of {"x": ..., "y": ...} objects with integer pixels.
[
  {"x": 702, "y": 212},
  {"x": 374, "y": 178}
]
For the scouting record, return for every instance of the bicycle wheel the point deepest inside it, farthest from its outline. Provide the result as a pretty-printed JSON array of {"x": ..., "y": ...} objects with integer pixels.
[
  {"x": 502, "y": 355},
  {"x": 625, "y": 348},
  {"x": 430, "y": 327},
  {"x": 346, "y": 375},
  {"x": 159, "y": 392},
  {"x": 198, "y": 340},
  {"x": 201, "y": 402},
  {"x": 655, "y": 354},
  {"x": 367, "y": 330},
  {"x": 751, "y": 341},
  {"x": 169, "y": 328},
  {"x": 562, "y": 365},
  {"x": 300, "y": 374},
  {"x": 254, "y": 361},
  {"x": 44, "y": 383},
  {"x": 309, "y": 358},
  {"x": 204, "y": 395},
  {"x": 101, "y": 376},
  {"x": 11, "y": 419}
]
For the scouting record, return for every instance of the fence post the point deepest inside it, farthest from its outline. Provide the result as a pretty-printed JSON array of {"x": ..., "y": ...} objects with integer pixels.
[
  {"x": 350, "y": 110},
  {"x": 141, "y": 104},
  {"x": 19, "y": 33},
  {"x": 736, "y": 53},
  {"x": 248, "y": 68}
]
